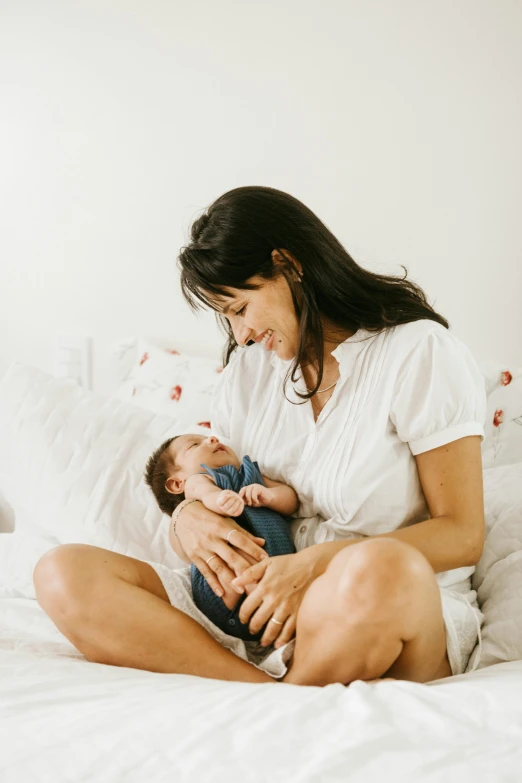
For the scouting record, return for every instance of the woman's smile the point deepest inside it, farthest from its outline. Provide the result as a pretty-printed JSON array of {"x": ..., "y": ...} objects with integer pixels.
[{"x": 268, "y": 339}]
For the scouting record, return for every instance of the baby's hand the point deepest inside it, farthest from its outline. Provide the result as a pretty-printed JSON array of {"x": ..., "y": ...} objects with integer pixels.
[
  {"x": 230, "y": 503},
  {"x": 256, "y": 495}
]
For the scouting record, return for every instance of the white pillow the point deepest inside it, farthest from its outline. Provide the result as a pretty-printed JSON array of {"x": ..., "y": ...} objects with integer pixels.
[
  {"x": 498, "y": 575},
  {"x": 165, "y": 380},
  {"x": 72, "y": 464},
  {"x": 502, "y": 443}
]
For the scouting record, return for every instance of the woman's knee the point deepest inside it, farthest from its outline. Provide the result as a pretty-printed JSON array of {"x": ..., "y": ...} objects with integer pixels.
[
  {"x": 63, "y": 577},
  {"x": 378, "y": 575}
]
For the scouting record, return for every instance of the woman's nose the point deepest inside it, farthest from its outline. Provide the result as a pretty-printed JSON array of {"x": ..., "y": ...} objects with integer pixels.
[{"x": 242, "y": 334}]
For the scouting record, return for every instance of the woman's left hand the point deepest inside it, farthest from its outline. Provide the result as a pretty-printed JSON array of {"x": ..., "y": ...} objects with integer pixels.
[{"x": 281, "y": 585}]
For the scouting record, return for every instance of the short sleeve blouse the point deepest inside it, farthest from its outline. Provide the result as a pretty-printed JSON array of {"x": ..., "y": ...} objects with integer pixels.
[{"x": 402, "y": 391}]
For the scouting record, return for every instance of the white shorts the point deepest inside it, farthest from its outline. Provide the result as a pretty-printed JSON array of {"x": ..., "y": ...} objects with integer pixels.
[{"x": 461, "y": 614}]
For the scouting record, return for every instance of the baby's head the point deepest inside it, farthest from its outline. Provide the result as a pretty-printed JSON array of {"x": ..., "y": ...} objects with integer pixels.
[{"x": 176, "y": 459}]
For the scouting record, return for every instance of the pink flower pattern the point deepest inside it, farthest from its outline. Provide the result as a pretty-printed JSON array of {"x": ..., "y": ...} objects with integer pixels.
[
  {"x": 144, "y": 358},
  {"x": 204, "y": 424},
  {"x": 505, "y": 378}
]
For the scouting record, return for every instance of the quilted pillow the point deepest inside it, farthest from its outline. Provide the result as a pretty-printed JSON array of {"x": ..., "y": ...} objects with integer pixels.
[
  {"x": 498, "y": 575},
  {"x": 166, "y": 380},
  {"x": 72, "y": 463}
]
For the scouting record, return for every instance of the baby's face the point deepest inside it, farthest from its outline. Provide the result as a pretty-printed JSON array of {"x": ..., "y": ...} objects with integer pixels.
[{"x": 189, "y": 451}]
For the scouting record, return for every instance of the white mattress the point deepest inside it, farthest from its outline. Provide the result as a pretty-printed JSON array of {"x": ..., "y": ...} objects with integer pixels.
[{"x": 65, "y": 719}]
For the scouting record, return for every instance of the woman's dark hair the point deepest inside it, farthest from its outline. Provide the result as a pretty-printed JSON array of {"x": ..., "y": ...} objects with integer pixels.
[
  {"x": 159, "y": 467},
  {"x": 233, "y": 241}
]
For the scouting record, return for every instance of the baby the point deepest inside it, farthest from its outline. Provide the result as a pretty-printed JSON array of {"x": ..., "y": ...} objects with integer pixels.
[{"x": 230, "y": 487}]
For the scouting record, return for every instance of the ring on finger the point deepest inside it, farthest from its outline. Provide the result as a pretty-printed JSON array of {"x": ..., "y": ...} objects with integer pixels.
[
  {"x": 210, "y": 558},
  {"x": 229, "y": 534},
  {"x": 273, "y": 620}
]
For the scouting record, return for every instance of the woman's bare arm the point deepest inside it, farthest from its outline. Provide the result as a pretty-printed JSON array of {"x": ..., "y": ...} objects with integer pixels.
[
  {"x": 451, "y": 479},
  {"x": 176, "y": 546}
]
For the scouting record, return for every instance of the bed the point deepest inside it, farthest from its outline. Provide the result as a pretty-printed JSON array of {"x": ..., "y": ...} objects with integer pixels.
[{"x": 71, "y": 470}]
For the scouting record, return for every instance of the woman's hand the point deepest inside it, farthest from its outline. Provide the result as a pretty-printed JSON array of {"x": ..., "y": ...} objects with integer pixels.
[
  {"x": 203, "y": 534},
  {"x": 282, "y": 584}
]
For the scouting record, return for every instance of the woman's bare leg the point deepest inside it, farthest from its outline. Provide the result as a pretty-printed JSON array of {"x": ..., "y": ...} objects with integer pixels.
[
  {"x": 375, "y": 611},
  {"x": 115, "y": 610}
]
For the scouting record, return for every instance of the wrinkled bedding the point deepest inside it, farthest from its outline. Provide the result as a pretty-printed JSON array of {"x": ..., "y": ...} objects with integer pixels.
[{"x": 65, "y": 719}]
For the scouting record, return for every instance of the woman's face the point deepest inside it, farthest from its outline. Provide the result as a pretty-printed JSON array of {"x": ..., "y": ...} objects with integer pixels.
[{"x": 253, "y": 314}]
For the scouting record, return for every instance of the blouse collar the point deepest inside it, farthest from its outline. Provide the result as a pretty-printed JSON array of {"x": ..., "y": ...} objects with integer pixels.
[{"x": 344, "y": 352}]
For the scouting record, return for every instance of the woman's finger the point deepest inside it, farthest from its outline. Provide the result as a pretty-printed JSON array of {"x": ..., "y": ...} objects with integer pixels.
[
  {"x": 287, "y": 633},
  {"x": 252, "y": 574},
  {"x": 235, "y": 560},
  {"x": 261, "y": 617},
  {"x": 240, "y": 539},
  {"x": 253, "y": 600},
  {"x": 250, "y": 605},
  {"x": 211, "y": 576}
]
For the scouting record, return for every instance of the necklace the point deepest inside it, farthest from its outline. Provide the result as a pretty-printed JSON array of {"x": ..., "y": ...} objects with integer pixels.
[{"x": 319, "y": 391}]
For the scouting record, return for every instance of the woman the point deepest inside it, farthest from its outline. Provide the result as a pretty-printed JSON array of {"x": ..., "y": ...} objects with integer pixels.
[{"x": 353, "y": 391}]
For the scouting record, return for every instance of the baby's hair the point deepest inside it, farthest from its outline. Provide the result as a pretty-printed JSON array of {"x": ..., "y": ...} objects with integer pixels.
[{"x": 159, "y": 467}]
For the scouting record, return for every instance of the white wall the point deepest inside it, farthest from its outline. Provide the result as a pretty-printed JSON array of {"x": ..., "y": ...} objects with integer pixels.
[{"x": 399, "y": 122}]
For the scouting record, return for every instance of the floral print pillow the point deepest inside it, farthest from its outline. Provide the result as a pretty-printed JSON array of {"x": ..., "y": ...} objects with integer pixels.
[
  {"x": 171, "y": 382},
  {"x": 503, "y": 427}
]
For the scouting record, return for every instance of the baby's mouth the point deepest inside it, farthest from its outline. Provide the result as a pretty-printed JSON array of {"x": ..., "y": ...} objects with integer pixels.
[{"x": 220, "y": 448}]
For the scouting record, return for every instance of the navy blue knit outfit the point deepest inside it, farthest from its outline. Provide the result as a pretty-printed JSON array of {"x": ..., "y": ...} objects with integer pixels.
[{"x": 261, "y": 522}]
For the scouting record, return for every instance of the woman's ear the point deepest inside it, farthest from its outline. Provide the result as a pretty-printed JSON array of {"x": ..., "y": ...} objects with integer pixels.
[
  {"x": 175, "y": 485},
  {"x": 285, "y": 258}
]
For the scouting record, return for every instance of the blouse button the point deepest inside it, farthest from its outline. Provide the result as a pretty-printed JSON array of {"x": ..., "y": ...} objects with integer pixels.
[
  {"x": 231, "y": 622},
  {"x": 302, "y": 529}
]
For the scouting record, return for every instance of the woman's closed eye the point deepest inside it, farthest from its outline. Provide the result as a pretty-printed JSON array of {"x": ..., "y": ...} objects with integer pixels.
[{"x": 241, "y": 312}]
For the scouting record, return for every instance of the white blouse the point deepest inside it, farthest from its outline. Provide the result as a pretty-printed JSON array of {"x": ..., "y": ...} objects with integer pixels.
[{"x": 404, "y": 391}]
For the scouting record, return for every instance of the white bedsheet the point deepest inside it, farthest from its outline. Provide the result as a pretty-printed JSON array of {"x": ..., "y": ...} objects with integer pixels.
[{"x": 65, "y": 719}]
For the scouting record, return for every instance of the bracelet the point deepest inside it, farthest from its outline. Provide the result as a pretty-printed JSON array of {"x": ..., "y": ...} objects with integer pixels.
[{"x": 178, "y": 511}]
